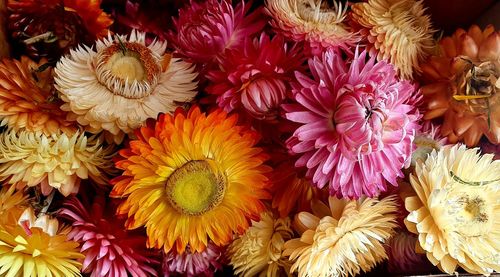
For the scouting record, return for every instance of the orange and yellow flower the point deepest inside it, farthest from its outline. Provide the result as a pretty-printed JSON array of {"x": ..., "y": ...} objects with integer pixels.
[
  {"x": 28, "y": 99},
  {"x": 191, "y": 177}
]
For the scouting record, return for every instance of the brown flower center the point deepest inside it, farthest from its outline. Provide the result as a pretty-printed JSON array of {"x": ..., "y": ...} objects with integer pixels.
[
  {"x": 321, "y": 12},
  {"x": 128, "y": 69},
  {"x": 477, "y": 84},
  {"x": 195, "y": 188}
]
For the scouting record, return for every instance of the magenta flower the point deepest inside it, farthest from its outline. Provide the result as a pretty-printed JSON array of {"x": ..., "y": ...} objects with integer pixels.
[
  {"x": 193, "y": 264},
  {"x": 357, "y": 121},
  {"x": 109, "y": 250},
  {"x": 205, "y": 30},
  {"x": 255, "y": 78}
]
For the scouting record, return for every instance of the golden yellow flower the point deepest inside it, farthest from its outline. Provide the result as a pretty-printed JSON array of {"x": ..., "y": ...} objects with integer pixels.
[
  {"x": 258, "y": 252},
  {"x": 122, "y": 83},
  {"x": 321, "y": 23},
  {"x": 455, "y": 209},
  {"x": 191, "y": 177},
  {"x": 344, "y": 238},
  {"x": 56, "y": 161},
  {"x": 28, "y": 99},
  {"x": 36, "y": 246},
  {"x": 397, "y": 30},
  {"x": 12, "y": 202}
]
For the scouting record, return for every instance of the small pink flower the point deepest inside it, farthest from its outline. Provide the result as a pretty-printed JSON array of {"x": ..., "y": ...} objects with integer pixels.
[
  {"x": 109, "y": 250},
  {"x": 255, "y": 78},
  {"x": 357, "y": 121},
  {"x": 205, "y": 30},
  {"x": 193, "y": 264}
]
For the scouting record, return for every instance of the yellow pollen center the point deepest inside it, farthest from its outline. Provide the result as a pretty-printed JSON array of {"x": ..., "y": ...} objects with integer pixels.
[
  {"x": 127, "y": 67},
  {"x": 195, "y": 188}
]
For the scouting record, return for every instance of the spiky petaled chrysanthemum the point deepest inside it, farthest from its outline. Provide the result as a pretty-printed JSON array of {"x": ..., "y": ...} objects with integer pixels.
[
  {"x": 204, "y": 31},
  {"x": 109, "y": 250},
  {"x": 319, "y": 23},
  {"x": 36, "y": 246},
  {"x": 343, "y": 239},
  {"x": 402, "y": 257},
  {"x": 291, "y": 191},
  {"x": 56, "y": 161},
  {"x": 254, "y": 79},
  {"x": 200, "y": 171},
  {"x": 259, "y": 251},
  {"x": 52, "y": 27},
  {"x": 357, "y": 124},
  {"x": 463, "y": 87},
  {"x": 427, "y": 139},
  {"x": 398, "y": 31},
  {"x": 192, "y": 264},
  {"x": 12, "y": 203},
  {"x": 125, "y": 83},
  {"x": 455, "y": 209},
  {"x": 28, "y": 99}
]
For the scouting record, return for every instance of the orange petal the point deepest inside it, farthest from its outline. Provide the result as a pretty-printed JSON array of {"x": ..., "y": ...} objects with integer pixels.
[
  {"x": 468, "y": 47},
  {"x": 490, "y": 49},
  {"x": 448, "y": 47},
  {"x": 476, "y": 34}
]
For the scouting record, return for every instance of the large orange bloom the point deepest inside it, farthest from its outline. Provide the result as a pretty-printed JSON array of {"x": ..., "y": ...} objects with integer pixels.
[
  {"x": 28, "y": 99},
  {"x": 191, "y": 177},
  {"x": 463, "y": 87}
]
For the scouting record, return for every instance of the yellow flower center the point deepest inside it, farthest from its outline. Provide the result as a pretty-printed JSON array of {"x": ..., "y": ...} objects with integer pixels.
[
  {"x": 471, "y": 215},
  {"x": 195, "y": 188},
  {"x": 128, "y": 69}
]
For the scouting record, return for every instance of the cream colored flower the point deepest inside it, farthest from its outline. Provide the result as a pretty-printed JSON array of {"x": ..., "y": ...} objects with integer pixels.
[
  {"x": 397, "y": 30},
  {"x": 259, "y": 251},
  {"x": 57, "y": 161},
  {"x": 122, "y": 83},
  {"x": 315, "y": 21},
  {"x": 344, "y": 238},
  {"x": 455, "y": 211}
]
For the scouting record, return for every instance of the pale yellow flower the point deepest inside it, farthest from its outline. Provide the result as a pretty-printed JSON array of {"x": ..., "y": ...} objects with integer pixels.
[
  {"x": 455, "y": 209},
  {"x": 123, "y": 82},
  {"x": 58, "y": 161},
  {"x": 259, "y": 251},
  {"x": 342, "y": 239}
]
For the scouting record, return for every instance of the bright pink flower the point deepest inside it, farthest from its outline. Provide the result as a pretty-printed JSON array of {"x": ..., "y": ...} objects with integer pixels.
[
  {"x": 109, "y": 250},
  {"x": 358, "y": 124},
  {"x": 193, "y": 264},
  {"x": 256, "y": 77},
  {"x": 205, "y": 30}
]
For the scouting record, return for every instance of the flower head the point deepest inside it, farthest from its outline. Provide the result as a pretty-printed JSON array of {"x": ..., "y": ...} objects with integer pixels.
[
  {"x": 463, "y": 87},
  {"x": 200, "y": 171},
  {"x": 109, "y": 250},
  {"x": 254, "y": 79},
  {"x": 259, "y": 251},
  {"x": 126, "y": 82},
  {"x": 357, "y": 124},
  {"x": 193, "y": 264},
  {"x": 37, "y": 246},
  {"x": 29, "y": 101},
  {"x": 12, "y": 203},
  {"x": 403, "y": 259},
  {"x": 342, "y": 239},
  {"x": 56, "y": 161},
  {"x": 52, "y": 27},
  {"x": 427, "y": 139},
  {"x": 319, "y": 23},
  {"x": 397, "y": 31},
  {"x": 204, "y": 31},
  {"x": 455, "y": 209}
]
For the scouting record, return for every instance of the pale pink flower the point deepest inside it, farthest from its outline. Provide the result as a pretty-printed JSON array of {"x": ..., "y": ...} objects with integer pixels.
[
  {"x": 193, "y": 263},
  {"x": 205, "y": 30},
  {"x": 255, "y": 78},
  {"x": 109, "y": 249},
  {"x": 357, "y": 121}
]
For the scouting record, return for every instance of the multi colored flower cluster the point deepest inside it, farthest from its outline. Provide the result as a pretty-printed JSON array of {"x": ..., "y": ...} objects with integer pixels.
[{"x": 261, "y": 138}]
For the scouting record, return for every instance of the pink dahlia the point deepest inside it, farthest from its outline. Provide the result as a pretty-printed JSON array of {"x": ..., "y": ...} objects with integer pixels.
[
  {"x": 256, "y": 77},
  {"x": 205, "y": 30},
  {"x": 109, "y": 250},
  {"x": 193, "y": 263},
  {"x": 357, "y": 121}
]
